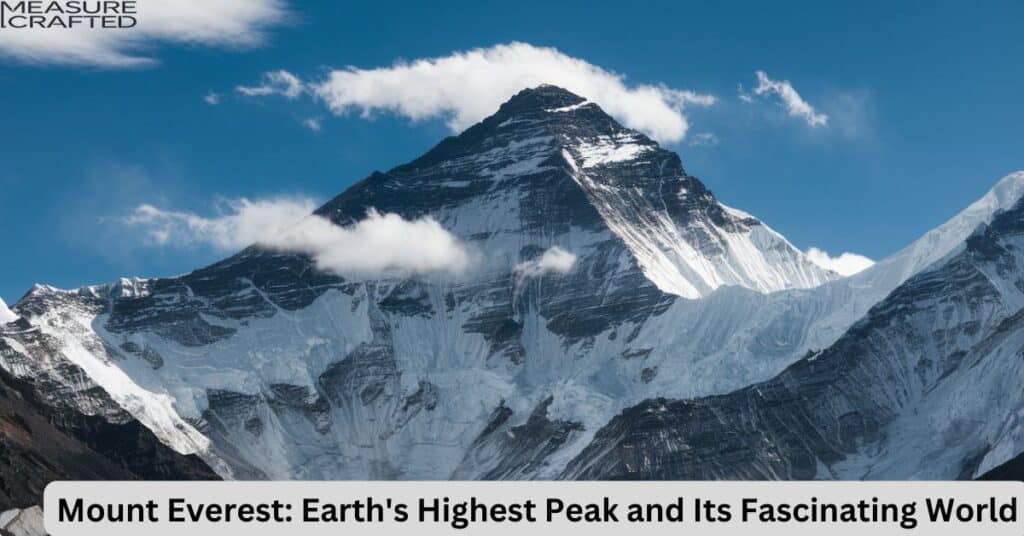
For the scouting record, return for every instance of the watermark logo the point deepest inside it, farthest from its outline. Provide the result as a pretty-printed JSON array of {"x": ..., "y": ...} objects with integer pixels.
[{"x": 68, "y": 14}]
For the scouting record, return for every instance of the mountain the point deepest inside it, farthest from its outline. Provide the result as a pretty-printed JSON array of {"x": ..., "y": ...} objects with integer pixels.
[
  {"x": 260, "y": 363},
  {"x": 676, "y": 309},
  {"x": 925, "y": 386},
  {"x": 776, "y": 329}
]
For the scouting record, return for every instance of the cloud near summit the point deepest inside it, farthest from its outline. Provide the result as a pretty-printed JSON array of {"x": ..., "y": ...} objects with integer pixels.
[
  {"x": 377, "y": 244},
  {"x": 464, "y": 87}
]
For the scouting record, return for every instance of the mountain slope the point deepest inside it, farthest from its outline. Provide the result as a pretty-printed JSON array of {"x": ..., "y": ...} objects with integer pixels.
[
  {"x": 736, "y": 336},
  {"x": 927, "y": 385},
  {"x": 44, "y": 438}
]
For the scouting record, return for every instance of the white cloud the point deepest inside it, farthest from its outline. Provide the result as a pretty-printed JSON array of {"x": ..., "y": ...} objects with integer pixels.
[
  {"x": 465, "y": 87},
  {"x": 744, "y": 96},
  {"x": 220, "y": 23},
  {"x": 313, "y": 123},
  {"x": 795, "y": 105},
  {"x": 212, "y": 98},
  {"x": 379, "y": 243},
  {"x": 279, "y": 82},
  {"x": 238, "y": 223},
  {"x": 553, "y": 260},
  {"x": 6, "y": 315},
  {"x": 845, "y": 264}
]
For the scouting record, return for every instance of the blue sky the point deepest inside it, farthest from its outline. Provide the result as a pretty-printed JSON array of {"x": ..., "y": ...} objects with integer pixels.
[{"x": 923, "y": 101}]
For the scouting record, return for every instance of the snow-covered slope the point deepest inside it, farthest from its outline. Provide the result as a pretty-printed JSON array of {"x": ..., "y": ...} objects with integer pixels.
[
  {"x": 748, "y": 337},
  {"x": 57, "y": 424},
  {"x": 938, "y": 242},
  {"x": 736, "y": 336},
  {"x": 686, "y": 243},
  {"x": 926, "y": 386}
]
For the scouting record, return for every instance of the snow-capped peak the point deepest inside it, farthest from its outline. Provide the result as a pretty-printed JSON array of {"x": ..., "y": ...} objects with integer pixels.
[
  {"x": 940, "y": 241},
  {"x": 558, "y": 162},
  {"x": 686, "y": 241},
  {"x": 1007, "y": 191},
  {"x": 6, "y": 315}
]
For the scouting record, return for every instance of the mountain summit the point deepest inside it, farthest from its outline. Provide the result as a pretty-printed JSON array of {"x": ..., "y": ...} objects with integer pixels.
[{"x": 550, "y": 161}]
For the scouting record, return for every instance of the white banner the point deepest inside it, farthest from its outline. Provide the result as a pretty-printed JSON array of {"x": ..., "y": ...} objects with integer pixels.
[{"x": 536, "y": 508}]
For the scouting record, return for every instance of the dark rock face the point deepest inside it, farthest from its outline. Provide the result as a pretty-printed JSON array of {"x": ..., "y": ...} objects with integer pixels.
[
  {"x": 837, "y": 403},
  {"x": 519, "y": 451},
  {"x": 368, "y": 375},
  {"x": 253, "y": 283},
  {"x": 34, "y": 452},
  {"x": 40, "y": 443},
  {"x": 1012, "y": 470}
]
